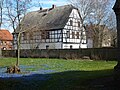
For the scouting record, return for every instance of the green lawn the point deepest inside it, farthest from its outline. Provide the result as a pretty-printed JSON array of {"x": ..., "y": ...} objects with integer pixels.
[
  {"x": 68, "y": 74},
  {"x": 60, "y": 65}
]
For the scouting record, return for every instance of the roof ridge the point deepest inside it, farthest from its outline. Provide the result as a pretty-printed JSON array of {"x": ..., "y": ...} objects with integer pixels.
[
  {"x": 48, "y": 9},
  {"x": 56, "y": 17}
]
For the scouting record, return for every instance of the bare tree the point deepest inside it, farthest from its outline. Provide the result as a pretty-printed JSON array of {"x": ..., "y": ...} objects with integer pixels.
[
  {"x": 95, "y": 13},
  {"x": 113, "y": 34},
  {"x": 16, "y": 9},
  {"x": 1, "y": 12},
  {"x": 111, "y": 23},
  {"x": 97, "y": 18}
]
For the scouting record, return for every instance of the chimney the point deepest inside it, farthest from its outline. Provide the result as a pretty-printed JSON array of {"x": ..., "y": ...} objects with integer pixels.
[
  {"x": 40, "y": 8},
  {"x": 53, "y": 6}
]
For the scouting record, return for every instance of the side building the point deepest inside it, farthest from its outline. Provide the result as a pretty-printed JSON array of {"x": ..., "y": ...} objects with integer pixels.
[
  {"x": 6, "y": 40},
  {"x": 54, "y": 28},
  {"x": 98, "y": 36}
]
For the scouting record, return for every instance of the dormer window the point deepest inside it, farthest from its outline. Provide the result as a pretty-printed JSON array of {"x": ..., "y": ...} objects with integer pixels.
[{"x": 44, "y": 14}]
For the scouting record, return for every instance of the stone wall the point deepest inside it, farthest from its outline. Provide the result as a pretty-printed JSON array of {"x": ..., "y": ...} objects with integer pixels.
[{"x": 94, "y": 54}]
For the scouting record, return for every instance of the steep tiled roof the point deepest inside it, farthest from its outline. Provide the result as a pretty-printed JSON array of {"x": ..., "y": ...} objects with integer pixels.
[
  {"x": 5, "y": 35},
  {"x": 47, "y": 19}
]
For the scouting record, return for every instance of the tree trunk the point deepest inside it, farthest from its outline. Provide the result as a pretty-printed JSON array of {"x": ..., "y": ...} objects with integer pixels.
[
  {"x": 18, "y": 50},
  {"x": 116, "y": 9}
]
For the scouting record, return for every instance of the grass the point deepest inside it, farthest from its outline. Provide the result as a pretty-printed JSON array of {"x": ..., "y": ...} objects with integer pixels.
[
  {"x": 69, "y": 74},
  {"x": 61, "y": 64}
]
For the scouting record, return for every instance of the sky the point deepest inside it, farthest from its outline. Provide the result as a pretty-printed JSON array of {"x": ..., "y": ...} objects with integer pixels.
[
  {"x": 47, "y": 4},
  {"x": 41, "y": 3}
]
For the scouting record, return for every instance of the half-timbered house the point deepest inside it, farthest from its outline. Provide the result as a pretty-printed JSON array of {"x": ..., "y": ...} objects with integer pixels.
[{"x": 54, "y": 28}]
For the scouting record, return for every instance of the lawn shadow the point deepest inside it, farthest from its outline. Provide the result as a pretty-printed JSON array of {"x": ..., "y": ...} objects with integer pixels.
[{"x": 67, "y": 80}]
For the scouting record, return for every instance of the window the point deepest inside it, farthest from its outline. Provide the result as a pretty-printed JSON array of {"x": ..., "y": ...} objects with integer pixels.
[
  {"x": 47, "y": 46},
  {"x": 71, "y": 46},
  {"x": 78, "y": 23},
  {"x": 84, "y": 39},
  {"x": 11, "y": 43},
  {"x": 47, "y": 35},
  {"x": 73, "y": 34},
  {"x": 4, "y": 48},
  {"x": 5, "y": 43},
  {"x": 77, "y": 35},
  {"x": 68, "y": 34},
  {"x": 31, "y": 36},
  {"x": 24, "y": 36},
  {"x": 71, "y": 22},
  {"x": 15, "y": 37},
  {"x": 43, "y": 35},
  {"x": 0, "y": 42}
]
